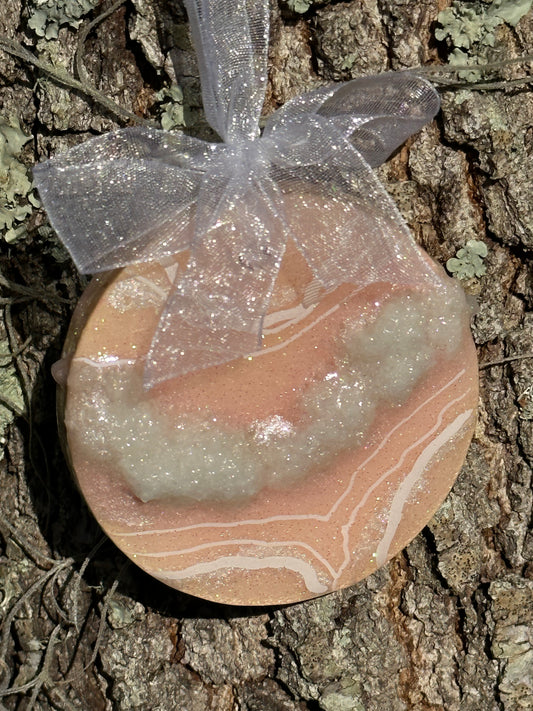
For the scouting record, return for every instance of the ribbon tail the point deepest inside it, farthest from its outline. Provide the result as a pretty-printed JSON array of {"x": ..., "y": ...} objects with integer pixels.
[
  {"x": 216, "y": 199},
  {"x": 350, "y": 231},
  {"x": 216, "y": 310},
  {"x": 123, "y": 198}
]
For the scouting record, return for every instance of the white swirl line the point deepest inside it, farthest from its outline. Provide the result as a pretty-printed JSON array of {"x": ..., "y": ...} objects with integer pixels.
[
  {"x": 162, "y": 293},
  {"x": 404, "y": 490},
  {"x": 285, "y": 318},
  {"x": 297, "y": 565},
  {"x": 309, "y": 326},
  {"x": 346, "y": 528},
  {"x": 242, "y": 541}
]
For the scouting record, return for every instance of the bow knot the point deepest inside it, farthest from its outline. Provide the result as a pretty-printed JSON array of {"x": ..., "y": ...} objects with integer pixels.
[
  {"x": 139, "y": 194},
  {"x": 243, "y": 160}
]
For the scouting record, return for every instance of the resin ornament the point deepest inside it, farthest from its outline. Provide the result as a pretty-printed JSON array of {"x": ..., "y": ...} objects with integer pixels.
[{"x": 275, "y": 391}]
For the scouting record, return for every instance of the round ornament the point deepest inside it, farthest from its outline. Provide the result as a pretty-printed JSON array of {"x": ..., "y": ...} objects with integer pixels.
[{"x": 286, "y": 474}]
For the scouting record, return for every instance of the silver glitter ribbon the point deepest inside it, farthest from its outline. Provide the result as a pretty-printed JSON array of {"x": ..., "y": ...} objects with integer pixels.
[{"x": 140, "y": 194}]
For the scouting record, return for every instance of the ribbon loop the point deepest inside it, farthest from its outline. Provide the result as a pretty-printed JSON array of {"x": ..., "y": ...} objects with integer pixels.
[
  {"x": 114, "y": 200},
  {"x": 377, "y": 113}
]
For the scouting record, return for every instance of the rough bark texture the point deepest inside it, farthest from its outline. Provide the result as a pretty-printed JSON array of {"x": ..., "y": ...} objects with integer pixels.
[{"x": 448, "y": 624}]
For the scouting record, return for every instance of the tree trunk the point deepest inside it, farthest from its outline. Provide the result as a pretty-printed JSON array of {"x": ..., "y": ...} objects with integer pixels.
[{"x": 448, "y": 624}]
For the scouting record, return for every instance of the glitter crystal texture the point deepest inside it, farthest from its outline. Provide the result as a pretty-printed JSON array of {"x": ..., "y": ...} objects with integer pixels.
[
  {"x": 131, "y": 195},
  {"x": 113, "y": 419}
]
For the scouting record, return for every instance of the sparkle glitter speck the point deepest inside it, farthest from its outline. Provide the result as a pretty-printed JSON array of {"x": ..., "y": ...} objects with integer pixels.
[
  {"x": 275, "y": 426},
  {"x": 106, "y": 358}
]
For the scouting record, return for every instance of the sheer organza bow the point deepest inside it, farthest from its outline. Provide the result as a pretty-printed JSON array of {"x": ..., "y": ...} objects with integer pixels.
[{"x": 141, "y": 194}]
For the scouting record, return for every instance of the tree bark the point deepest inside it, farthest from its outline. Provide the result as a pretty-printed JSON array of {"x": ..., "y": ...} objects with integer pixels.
[{"x": 448, "y": 624}]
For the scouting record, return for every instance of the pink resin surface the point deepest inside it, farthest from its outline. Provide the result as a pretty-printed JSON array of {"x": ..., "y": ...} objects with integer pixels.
[{"x": 285, "y": 475}]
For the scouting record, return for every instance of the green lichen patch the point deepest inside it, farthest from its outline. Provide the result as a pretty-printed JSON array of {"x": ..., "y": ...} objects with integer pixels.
[
  {"x": 299, "y": 6},
  {"x": 47, "y": 16},
  {"x": 468, "y": 262},
  {"x": 171, "y": 107},
  {"x": 16, "y": 191},
  {"x": 469, "y": 30}
]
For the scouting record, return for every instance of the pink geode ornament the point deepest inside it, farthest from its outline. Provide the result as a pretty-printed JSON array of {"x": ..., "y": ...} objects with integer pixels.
[
  {"x": 274, "y": 413},
  {"x": 281, "y": 476}
]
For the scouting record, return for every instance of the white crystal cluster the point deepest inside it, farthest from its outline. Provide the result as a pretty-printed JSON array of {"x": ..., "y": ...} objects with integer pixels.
[{"x": 197, "y": 457}]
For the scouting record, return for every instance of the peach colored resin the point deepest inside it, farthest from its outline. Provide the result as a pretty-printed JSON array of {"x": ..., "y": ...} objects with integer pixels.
[{"x": 285, "y": 475}]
